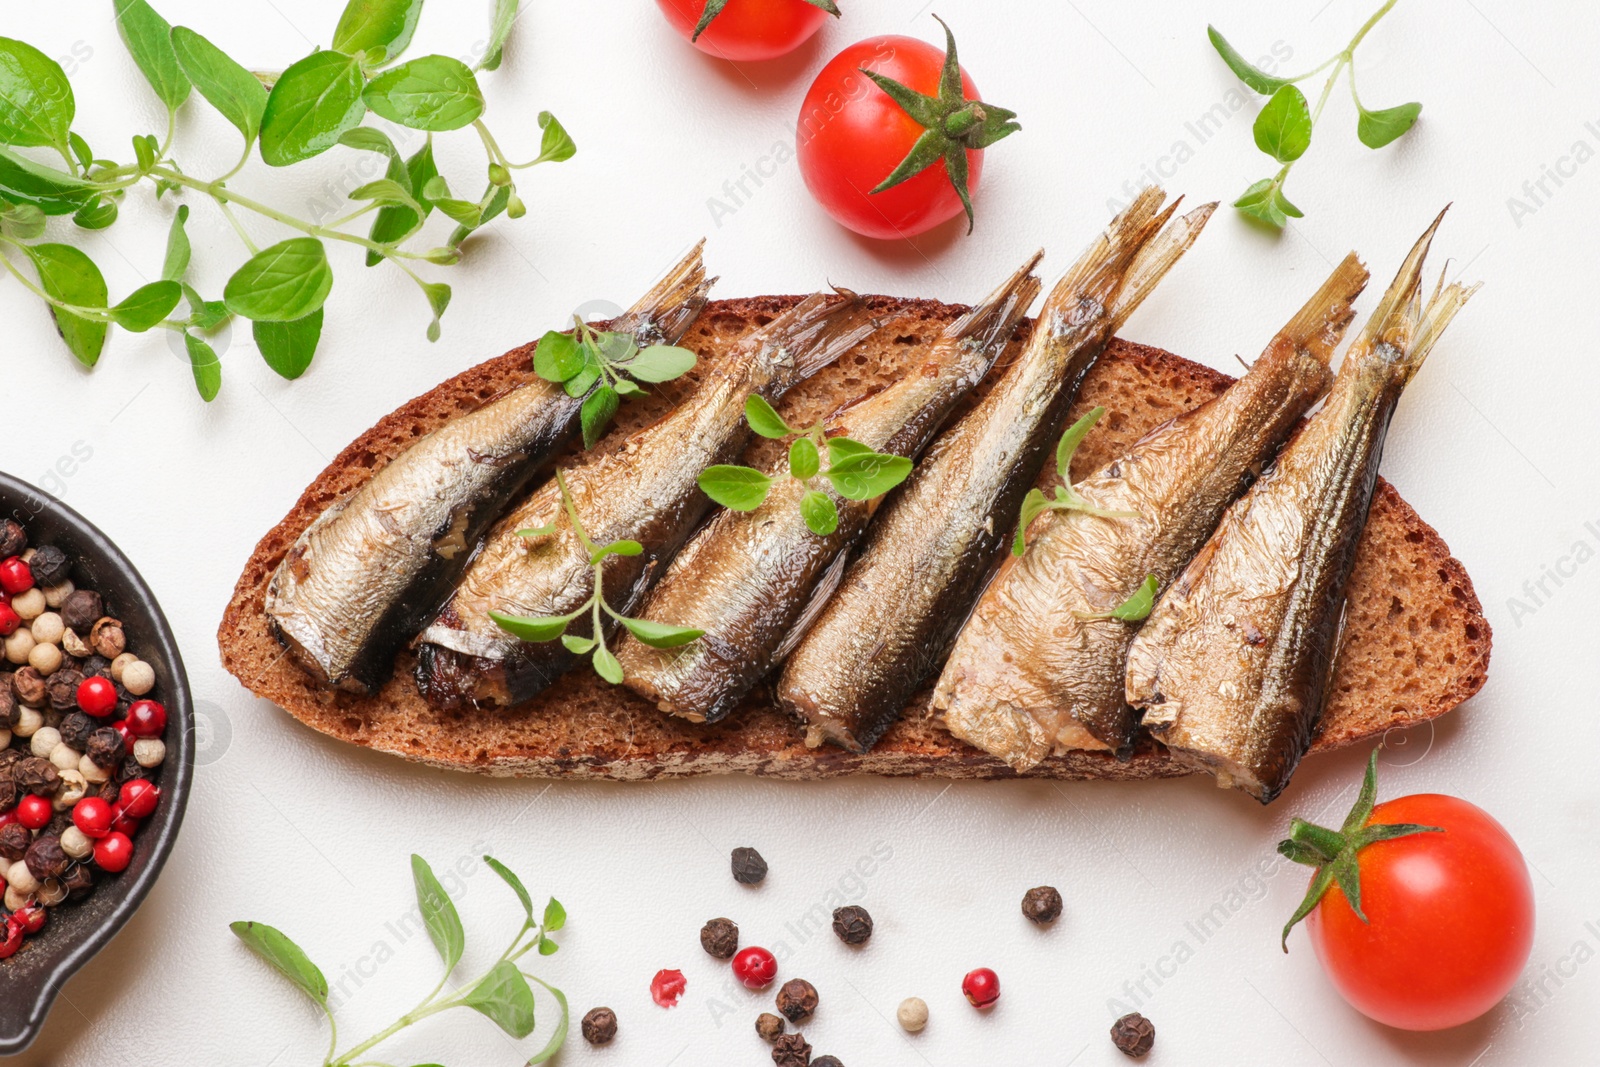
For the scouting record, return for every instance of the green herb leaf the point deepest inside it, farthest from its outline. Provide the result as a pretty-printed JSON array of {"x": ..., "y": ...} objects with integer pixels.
[
  {"x": 558, "y": 357},
  {"x": 204, "y": 314},
  {"x": 841, "y": 449},
  {"x": 1247, "y": 72},
  {"x": 532, "y": 628},
  {"x": 503, "y": 996},
  {"x": 36, "y": 102},
  {"x": 438, "y": 294},
  {"x": 227, "y": 86},
  {"x": 1283, "y": 128},
  {"x": 285, "y": 957},
  {"x": 500, "y": 23},
  {"x": 465, "y": 212},
  {"x": 96, "y": 214},
  {"x": 1265, "y": 202},
  {"x": 598, "y": 410},
  {"x": 819, "y": 513},
  {"x": 288, "y": 281},
  {"x": 311, "y": 106},
  {"x": 205, "y": 366},
  {"x": 555, "y": 916},
  {"x": 438, "y": 914},
  {"x": 81, "y": 149},
  {"x": 149, "y": 40},
  {"x": 386, "y": 191},
  {"x": 395, "y": 224},
  {"x": 144, "y": 152},
  {"x": 558, "y": 1036},
  {"x": 22, "y": 222},
  {"x": 288, "y": 347},
  {"x": 370, "y": 139},
  {"x": 734, "y": 487},
  {"x": 537, "y": 531},
  {"x": 607, "y": 667},
  {"x": 660, "y": 634},
  {"x": 378, "y": 30},
  {"x": 1032, "y": 505},
  {"x": 864, "y": 477},
  {"x": 1378, "y": 128},
  {"x": 1072, "y": 438},
  {"x": 578, "y": 646},
  {"x": 22, "y": 181},
  {"x": 547, "y": 947},
  {"x": 804, "y": 461},
  {"x": 147, "y": 305},
  {"x": 661, "y": 363},
  {"x": 430, "y": 93},
  {"x": 1137, "y": 607},
  {"x": 69, "y": 275},
  {"x": 584, "y": 380},
  {"x": 763, "y": 419},
  {"x": 624, "y": 547},
  {"x": 556, "y": 144}
]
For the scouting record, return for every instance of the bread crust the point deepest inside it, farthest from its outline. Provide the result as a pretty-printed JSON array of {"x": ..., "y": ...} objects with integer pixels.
[{"x": 1416, "y": 642}]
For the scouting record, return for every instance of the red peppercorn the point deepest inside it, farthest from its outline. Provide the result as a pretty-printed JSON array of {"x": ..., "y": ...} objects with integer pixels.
[
  {"x": 982, "y": 987},
  {"x": 92, "y": 816},
  {"x": 97, "y": 696},
  {"x": 755, "y": 967},
  {"x": 32, "y": 918},
  {"x": 121, "y": 727},
  {"x": 667, "y": 986},
  {"x": 15, "y": 575},
  {"x": 34, "y": 812},
  {"x": 13, "y": 939},
  {"x": 113, "y": 852},
  {"x": 8, "y": 816},
  {"x": 9, "y": 620},
  {"x": 122, "y": 822},
  {"x": 146, "y": 718},
  {"x": 138, "y": 798}
]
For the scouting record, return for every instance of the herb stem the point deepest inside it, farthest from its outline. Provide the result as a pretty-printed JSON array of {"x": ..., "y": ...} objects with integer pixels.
[
  {"x": 333, "y": 1033},
  {"x": 233, "y": 220}
]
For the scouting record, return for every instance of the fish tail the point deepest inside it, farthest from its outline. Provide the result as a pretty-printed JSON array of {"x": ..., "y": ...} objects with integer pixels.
[
  {"x": 1091, "y": 283},
  {"x": 810, "y": 336},
  {"x": 1404, "y": 328},
  {"x": 1159, "y": 248},
  {"x": 664, "y": 313},
  {"x": 1318, "y": 326},
  {"x": 993, "y": 320}
]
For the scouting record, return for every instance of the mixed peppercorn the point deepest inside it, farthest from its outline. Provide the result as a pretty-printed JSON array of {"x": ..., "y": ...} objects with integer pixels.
[{"x": 80, "y": 737}]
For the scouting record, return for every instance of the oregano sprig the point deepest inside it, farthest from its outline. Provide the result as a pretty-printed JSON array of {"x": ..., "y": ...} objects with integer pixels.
[
  {"x": 1283, "y": 128},
  {"x": 287, "y": 117},
  {"x": 1036, "y": 503},
  {"x": 502, "y": 993},
  {"x": 587, "y": 358},
  {"x": 855, "y": 471},
  {"x": 539, "y": 628}
]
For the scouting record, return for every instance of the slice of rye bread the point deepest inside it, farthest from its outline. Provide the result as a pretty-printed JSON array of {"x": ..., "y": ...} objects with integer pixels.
[{"x": 1416, "y": 643}]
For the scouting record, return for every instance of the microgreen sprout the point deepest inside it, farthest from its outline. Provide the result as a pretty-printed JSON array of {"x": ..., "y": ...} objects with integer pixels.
[{"x": 1036, "y": 503}]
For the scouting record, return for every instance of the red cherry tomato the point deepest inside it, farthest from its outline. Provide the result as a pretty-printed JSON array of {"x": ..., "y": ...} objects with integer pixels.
[
  {"x": 1449, "y": 918},
  {"x": 755, "y": 967},
  {"x": 113, "y": 852},
  {"x": 981, "y": 987},
  {"x": 747, "y": 29}
]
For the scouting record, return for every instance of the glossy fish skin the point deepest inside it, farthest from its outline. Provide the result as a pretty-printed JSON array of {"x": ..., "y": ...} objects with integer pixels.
[
  {"x": 933, "y": 544},
  {"x": 1232, "y": 666},
  {"x": 367, "y": 572},
  {"x": 748, "y": 577},
  {"x": 645, "y": 491},
  {"x": 1030, "y": 675}
]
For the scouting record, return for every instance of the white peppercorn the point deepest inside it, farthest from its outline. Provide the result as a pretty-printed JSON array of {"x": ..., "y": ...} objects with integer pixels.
[
  {"x": 121, "y": 662},
  {"x": 21, "y": 879},
  {"x": 138, "y": 677},
  {"x": 73, "y": 645},
  {"x": 29, "y": 720},
  {"x": 56, "y": 595},
  {"x": 46, "y": 659},
  {"x": 92, "y": 771},
  {"x": 912, "y": 1014},
  {"x": 44, "y": 740},
  {"x": 18, "y": 645},
  {"x": 52, "y": 892},
  {"x": 64, "y": 756},
  {"x": 48, "y": 628},
  {"x": 29, "y": 605},
  {"x": 76, "y": 843},
  {"x": 15, "y": 899},
  {"x": 72, "y": 789},
  {"x": 149, "y": 752}
]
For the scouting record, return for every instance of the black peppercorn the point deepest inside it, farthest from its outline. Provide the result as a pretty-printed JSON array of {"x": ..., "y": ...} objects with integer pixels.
[
  {"x": 797, "y": 1000},
  {"x": 1133, "y": 1035},
  {"x": 852, "y": 924},
  {"x": 106, "y": 747},
  {"x": 826, "y": 1061},
  {"x": 96, "y": 665},
  {"x": 44, "y": 857},
  {"x": 769, "y": 1026},
  {"x": 10, "y": 713},
  {"x": 9, "y": 794},
  {"x": 76, "y": 730},
  {"x": 748, "y": 866},
  {"x": 791, "y": 1050},
  {"x": 130, "y": 770},
  {"x": 14, "y": 841},
  {"x": 1042, "y": 905},
  {"x": 82, "y": 610},
  {"x": 29, "y": 686},
  {"x": 58, "y": 823},
  {"x": 13, "y": 538},
  {"x": 720, "y": 938},
  {"x": 38, "y": 776},
  {"x": 78, "y": 880},
  {"x": 61, "y": 689},
  {"x": 599, "y": 1026},
  {"x": 49, "y": 565}
]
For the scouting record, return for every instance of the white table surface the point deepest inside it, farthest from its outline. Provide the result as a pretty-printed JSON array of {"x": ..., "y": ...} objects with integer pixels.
[{"x": 1492, "y": 444}]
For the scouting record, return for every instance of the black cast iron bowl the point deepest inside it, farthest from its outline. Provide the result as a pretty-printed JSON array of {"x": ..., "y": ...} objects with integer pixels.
[{"x": 30, "y": 980}]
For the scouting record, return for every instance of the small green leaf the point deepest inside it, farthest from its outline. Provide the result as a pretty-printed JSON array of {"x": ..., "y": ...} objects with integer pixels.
[
  {"x": 763, "y": 419},
  {"x": 1072, "y": 438},
  {"x": 288, "y": 347},
  {"x": 205, "y": 366},
  {"x": 864, "y": 477},
  {"x": 96, "y": 214},
  {"x": 147, "y": 305},
  {"x": 598, "y": 409},
  {"x": 438, "y": 914},
  {"x": 1137, "y": 607},
  {"x": 503, "y": 996},
  {"x": 69, "y": 275},
  {"x": 804, "y": 461},
  {"x": 537, "y": 531},
  {"x": 661, "y": 363},
  {"x": 1283, "y": 128},
  {"x": 555, "y": 916},
  {"x": 734, "y": 487},
  {"x": 1247, "y": 72},
  {"x": 204, "y": 314},
  {"x": 556, "y": 144},
  {"x": 626, "y": 388},
  {"x": 370, "y": 139},
  {"x": 819, "y": 512},
  {"x": 55, "y": 192},
  {"x": 284, "y": 956},
  {"x": 465, "y": 212},
  {"x": 144, "y": 151},
  {"x": 1264, "y": 202},
  {"x": 660, "y": 634},
  {"x": 430, "y": 93},
  {"x": 288, "y": 281},
  {"x": 81, "y": 149},
  {"x": 624, "y": 547},
  {"x": 376, "y": 29},
  {"x": 606, "y": 665},
  {"x": 558, "y": 357},
  {"x": 547, "y": 947},
  {"x": 395, "y": 224},
  {"x": 1032, "y": 505},
  {"x": 583, "y": 381},
  {"x": 22, "y": 222},
  {"x": 228, "y": 87},
  {"x": 386, "y": 191},
  {"x": 311, "y": 106},
  {"x": 500, "y": 23},
  {"x": 36, "y": 102},
  {"x": 841, "y": 449},
  {"x": 532, "y": 628},
  {"x": 149, "y": 40},
  {"x": 578, "y": 646},
  {"x": 1378, "y": 128}
]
